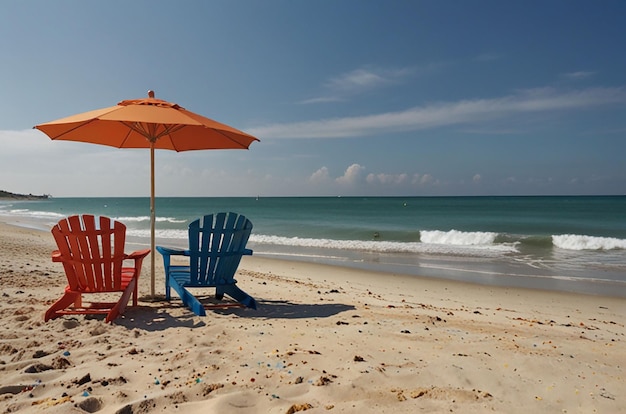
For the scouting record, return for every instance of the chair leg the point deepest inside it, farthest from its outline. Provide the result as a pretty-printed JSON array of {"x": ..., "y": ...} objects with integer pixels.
[
  {"x": 168, "y": 294},
  {"x": 135, "y": 292},
  {"x": 128, "y": 274},
  {"x": 78, "y": 301},
  {"x": 120, "y": 306},
  {"x": 188, "y": 299},
  {"x": 68, "y": 299},
  {"x": 239, "y": 295}
]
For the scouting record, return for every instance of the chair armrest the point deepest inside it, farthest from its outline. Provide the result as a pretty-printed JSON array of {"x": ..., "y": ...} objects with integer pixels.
[
  {"x": 56, "y": 256},
  {"x": 168, "y": 251},
  {"x": 139, "y": 254},
  {"x": 247, "y": 252}
]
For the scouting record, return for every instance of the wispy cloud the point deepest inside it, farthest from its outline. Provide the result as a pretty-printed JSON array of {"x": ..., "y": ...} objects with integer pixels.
[
  {"x": 365, "y": 79},
  {"x": 576, "y": 76},
  {"x": 322, "y": 99},
  {"x": 359, "y": 81},
  {"x": 464, "y": 112}
]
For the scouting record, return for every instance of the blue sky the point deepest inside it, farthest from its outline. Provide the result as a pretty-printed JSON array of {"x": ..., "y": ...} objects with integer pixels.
[{"x": 348, "y": 97}]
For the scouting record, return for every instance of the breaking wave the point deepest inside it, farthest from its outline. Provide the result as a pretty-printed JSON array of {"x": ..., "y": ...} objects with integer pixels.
[
  {"x": 458, "y": 238},
  {"x": 581, "y": 242},
  {"x": 440, "y": 247}
]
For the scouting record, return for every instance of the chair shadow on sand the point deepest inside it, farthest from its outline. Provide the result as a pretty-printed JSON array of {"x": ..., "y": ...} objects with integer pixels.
[
  {"x": 281, "y": 309},
  {"x": 158, "y": 317}
]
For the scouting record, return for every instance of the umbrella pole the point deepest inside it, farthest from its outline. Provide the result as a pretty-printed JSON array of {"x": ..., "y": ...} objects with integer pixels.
[{"x": 152, "y": 219}]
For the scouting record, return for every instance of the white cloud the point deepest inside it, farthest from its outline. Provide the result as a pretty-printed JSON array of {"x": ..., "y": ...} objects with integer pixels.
[
  {"x": 352, "y": 175},
  {"x": 320, "y": 176},
  {"x": 355, "y": 175},
  {"x": 389, "y": 179},
  {"x": 445, "y": 114}
]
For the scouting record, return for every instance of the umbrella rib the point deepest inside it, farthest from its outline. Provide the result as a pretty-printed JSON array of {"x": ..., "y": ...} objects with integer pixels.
[
  {"x": 72, "y": 129},
  {"x": 231, "y": 139},
  {"x": 148, "y": 130},
  {"x": 125, "y": 138}
]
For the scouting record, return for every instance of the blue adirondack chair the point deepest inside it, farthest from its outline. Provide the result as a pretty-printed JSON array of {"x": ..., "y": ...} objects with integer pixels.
[{"x": 216, "y": 246}]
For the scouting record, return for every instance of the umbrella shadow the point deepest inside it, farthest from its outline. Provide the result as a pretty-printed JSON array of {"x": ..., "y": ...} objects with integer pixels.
[{"x": 282, "y": 309}]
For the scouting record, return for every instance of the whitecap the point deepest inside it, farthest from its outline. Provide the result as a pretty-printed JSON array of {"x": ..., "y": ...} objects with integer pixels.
[
  {"x": 582, "y": 242},
  {"x": 384, "y": 246},
  {"x": 458, "y": 238}
]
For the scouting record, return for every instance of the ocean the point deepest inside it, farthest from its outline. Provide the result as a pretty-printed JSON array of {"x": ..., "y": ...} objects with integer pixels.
[{"x": 561, "y": 243}]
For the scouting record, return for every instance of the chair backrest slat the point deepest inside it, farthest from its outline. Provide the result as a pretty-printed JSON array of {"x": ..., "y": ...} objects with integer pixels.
[
  {"x": 216, "y": 243},
  {"x": 92, "y": 252}
]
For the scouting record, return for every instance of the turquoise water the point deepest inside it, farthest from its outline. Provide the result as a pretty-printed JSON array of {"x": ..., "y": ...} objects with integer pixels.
[{"x": 561, "y": 243}]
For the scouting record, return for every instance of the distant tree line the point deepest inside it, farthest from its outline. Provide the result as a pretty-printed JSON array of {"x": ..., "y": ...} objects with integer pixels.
[{"x": 7, "y": 194}]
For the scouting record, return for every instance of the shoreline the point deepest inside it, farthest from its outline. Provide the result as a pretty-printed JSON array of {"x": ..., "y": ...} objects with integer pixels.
[
  {"x": 514, "y": 256},
  {"x": 441, "y": 270},
  {"x": 451, "y": 269},
  {"x": 337, "y": 340}
]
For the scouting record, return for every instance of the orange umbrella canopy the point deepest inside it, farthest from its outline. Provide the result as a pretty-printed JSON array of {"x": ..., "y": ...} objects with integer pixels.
[
  {"x": 147, "y": 123},
  {"x": 138, "y": 123}
]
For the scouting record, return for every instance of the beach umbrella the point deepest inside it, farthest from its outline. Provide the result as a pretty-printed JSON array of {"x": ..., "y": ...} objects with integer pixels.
[{"x": 147, "y": 123}]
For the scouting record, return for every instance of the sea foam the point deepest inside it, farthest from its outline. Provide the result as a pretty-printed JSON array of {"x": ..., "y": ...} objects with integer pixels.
[
  {"x": 458, "y": 238},
  {"x": 386, "y": 246},
  {"x": 581, "y": 242},
  {"x": 31, "y": 214}
]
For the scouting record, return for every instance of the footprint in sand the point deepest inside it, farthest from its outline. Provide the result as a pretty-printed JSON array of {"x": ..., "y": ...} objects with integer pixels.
[
  {"x": 91, "y": 404},
  {"x": 12, "y": 389},
  {"x": 70, "y": 323},
  {"x": 98, "y": 330},
  {"x": 437, "y": 393},
  {"x": 142, "y": 407}
]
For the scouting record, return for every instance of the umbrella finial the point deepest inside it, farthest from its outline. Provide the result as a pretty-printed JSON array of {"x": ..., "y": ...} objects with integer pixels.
[{"x": 150, "y": 94}]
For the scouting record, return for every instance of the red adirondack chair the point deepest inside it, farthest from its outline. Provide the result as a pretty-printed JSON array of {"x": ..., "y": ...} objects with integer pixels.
[{"x": 92, "y": 253}]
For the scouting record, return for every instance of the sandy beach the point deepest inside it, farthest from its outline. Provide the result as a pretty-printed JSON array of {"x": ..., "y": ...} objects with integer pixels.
[{"x": 324, "y": 340}]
